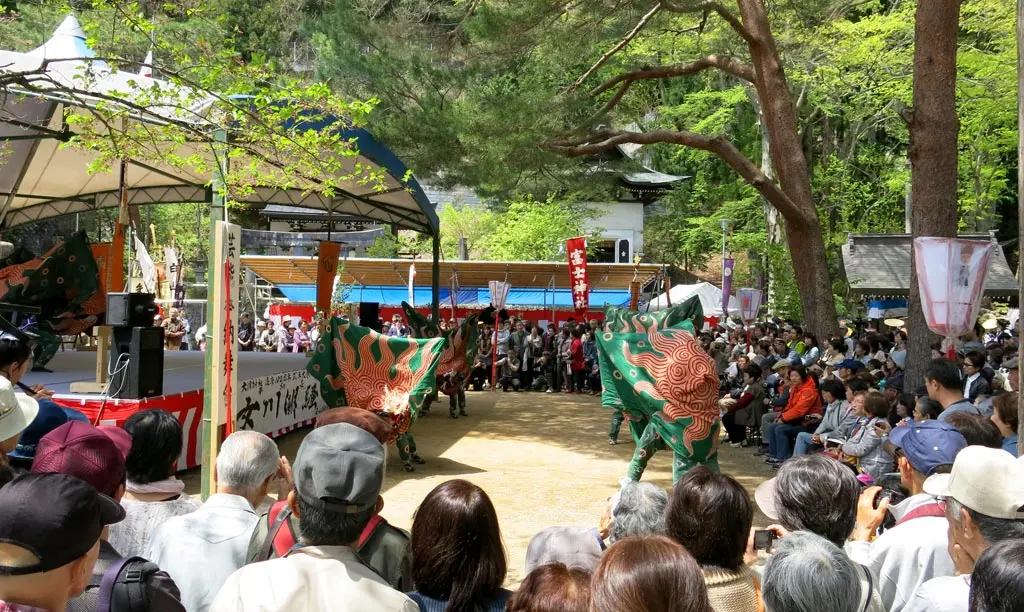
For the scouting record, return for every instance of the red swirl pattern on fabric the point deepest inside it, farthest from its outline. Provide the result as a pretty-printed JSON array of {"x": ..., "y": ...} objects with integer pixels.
[{"x": 685, "y": 378}]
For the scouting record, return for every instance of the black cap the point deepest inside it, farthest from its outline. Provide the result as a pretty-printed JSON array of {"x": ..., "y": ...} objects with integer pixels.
[{"x": 56, "y": 517}]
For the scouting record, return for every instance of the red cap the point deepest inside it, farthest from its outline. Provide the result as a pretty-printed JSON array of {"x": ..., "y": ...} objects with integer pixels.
[
  {"x": 122, "y": 439},
  {"x": 81, "y": 450}
]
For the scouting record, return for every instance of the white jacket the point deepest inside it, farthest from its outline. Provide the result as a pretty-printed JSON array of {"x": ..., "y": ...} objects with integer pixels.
[
  {"x": 906, "y": 556},
  {"x": 943, "y": 594}
]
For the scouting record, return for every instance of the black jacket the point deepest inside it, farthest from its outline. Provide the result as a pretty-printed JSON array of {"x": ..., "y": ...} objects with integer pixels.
[{"x": 161, "y": 592}]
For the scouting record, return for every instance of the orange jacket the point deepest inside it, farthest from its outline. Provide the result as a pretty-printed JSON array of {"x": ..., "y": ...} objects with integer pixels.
[{"x": 803, "y": 400}]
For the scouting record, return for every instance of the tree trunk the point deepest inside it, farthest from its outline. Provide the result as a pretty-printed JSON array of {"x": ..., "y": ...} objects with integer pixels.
[
  {"x": 803, "y": 231},
  {"x": 772, "y": 219},
  {"x": 933, "y": 153},
  {"x": 1020, "y": 204}
]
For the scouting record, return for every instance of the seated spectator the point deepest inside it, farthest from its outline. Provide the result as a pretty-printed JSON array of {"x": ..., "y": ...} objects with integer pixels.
[
  {"x": 383, "y": 547},
  {"x": 1004, "y": 416},
  {"x": 904, "y": 410},
  {"x": 865, "y": 442},
  {"x": 50, "y": 527},
  {"x": 945, "y": 384},
  {"x": 746, "y": 409},
  {"x": 915, "y": 549},
  {"x": 637, "y": 508},
  {"x": 338, "y": 475},
  {"x": 984, "y": 499},
  {"x": 710, "y": 514},
  {"x": 808, "y": 573},
  {"x": 201, "y": 549},
  {"x": 803, "y": 412},
  {"x": 154, "y": 494},
  {"x": 840, "y": 417},
  {"x": 926, "y": 409},
  {"x": 997, "y": 584},
  {"x": 648, "y": 573},
  {"x": 978, "y": 430},
  {"x": 552, "y": 588},
  {"x": 975, "y": 382},
  {"x": 458, "y": 559},
  {"x": 50, "y": 416},
  {"x": 96, "y": 455}
]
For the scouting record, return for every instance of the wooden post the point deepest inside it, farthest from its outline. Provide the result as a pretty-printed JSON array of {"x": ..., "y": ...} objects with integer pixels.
[{"x": 213, "y": 407}]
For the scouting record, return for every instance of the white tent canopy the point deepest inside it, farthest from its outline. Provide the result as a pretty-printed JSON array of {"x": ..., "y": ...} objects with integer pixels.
[
  {"x": 710, "y": 299},
  {"x": 40, "y": 178}
]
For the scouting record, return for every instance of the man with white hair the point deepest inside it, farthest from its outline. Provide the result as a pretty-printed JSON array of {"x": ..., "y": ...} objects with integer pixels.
[{"x": 200, "y": 550}]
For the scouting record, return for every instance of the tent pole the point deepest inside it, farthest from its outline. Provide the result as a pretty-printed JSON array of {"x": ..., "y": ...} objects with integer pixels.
[
  {"x": 212, "y": 431},
  {"x": 435, "y": 280}
]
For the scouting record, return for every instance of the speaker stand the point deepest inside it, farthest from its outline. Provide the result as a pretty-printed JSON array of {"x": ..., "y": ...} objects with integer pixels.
[{"x": 102, "y": 357}]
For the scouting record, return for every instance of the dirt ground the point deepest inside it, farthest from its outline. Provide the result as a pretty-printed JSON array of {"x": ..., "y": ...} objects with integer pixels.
[{"x": 543, "y": 458}]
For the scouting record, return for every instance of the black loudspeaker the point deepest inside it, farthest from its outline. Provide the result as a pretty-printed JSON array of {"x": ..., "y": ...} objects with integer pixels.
[
  {"x": 369, "y": 315},
  {"x": 143, "y": 376},
  {"x": 623, "y": 255},
  {"x": 131, "y": 309}
]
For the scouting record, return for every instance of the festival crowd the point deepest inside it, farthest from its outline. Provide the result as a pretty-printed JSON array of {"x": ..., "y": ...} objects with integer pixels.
[{"x": 884, "y": 501}]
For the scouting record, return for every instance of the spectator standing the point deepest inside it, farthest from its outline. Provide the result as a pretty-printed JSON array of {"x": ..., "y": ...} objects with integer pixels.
[
  {"x": 300, "y": 339},
  {"x": 96, "y": 455},
  {"x": 552, "y": 588},
  {"x": 984, "y": 499},
  {"x": 458, "y": 559},
  {"x": 648, "y": 573},
  {"x": 50, "y": 416},
  {"x": 338, "y": 475},
  {"x": 246, "y": 334},
  {"x": 384, "y": 548},
  {"x": 201, "y": 337},
  {"x": 945, "y": 385},
  {"x": 975, "y": 382},
  {"x": 710, "y": 514},
  {"x": 268, "y": 338},
  {"x": 915, "y": 549},
  {"x": 50, "y": 526},
  {"x": 284, "y": 335},
  {"x": 201, "y": 549},
  {"x": 1005, "y": 417},
  {"x": 154, "y": 494},
  {"x": 577, "y": 362},
  {"x": 174, "y": 331}
]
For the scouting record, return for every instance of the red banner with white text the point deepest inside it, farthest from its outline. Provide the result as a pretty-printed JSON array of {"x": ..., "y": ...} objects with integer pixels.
[{"x": 577, "y": 250}]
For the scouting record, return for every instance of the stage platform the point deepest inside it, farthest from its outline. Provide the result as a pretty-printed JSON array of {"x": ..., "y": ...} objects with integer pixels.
[
  {"x": 183, "y": 370},
  {"x": 275, "y": 394}
]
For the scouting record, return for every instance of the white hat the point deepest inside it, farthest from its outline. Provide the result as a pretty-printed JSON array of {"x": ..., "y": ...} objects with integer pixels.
[
  {"x": 17, "y": 410},
  {"x": 986, "y": 480}
]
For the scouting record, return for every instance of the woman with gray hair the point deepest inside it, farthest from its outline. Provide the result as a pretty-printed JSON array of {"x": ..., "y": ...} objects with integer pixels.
[
  {"x": 637, "y": 508},
  {"x": 808, "y": 573}
]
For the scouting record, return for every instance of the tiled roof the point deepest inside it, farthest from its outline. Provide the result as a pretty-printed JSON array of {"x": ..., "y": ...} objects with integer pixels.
[{"x": 879, "y": 265}]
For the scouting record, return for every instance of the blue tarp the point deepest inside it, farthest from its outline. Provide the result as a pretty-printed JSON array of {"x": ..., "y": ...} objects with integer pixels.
[{"x": 393, "y": 296}]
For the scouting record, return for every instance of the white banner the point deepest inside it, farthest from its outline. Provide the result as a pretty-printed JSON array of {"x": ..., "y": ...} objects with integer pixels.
[
  {"x": 222, "y": 329},
  {"x": 173, "y": 267},
  {"x": 145, "y": 266},
  {"x": 279, "y": 402}
]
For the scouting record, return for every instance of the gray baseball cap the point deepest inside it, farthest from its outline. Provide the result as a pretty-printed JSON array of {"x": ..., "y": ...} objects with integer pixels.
[{"x": 339, "y": 468}]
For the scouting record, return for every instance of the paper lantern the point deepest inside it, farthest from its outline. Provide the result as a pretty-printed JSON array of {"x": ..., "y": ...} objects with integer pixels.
[
  {"x": 750, "y": 303},
  {"x": 499, "y": 293},
  {"x": 951, "y": 275}
]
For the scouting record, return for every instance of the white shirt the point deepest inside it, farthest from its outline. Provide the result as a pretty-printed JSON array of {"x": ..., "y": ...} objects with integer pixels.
[
  {"x": 906, "y": 556},
  {"x": 309, "y": 579},
  {"x": 945, "y": 594},
  {"x": 967, "y": 384},
  {"x": 202, "y": 549}
]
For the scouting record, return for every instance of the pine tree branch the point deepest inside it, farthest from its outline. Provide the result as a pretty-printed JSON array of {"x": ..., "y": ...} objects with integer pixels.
[
  {"x": 619, "y": 46},
  {"x": 723, "y": 12},
  {"x": 602, "y": 140},
  {"x": 726, "y": 64}
]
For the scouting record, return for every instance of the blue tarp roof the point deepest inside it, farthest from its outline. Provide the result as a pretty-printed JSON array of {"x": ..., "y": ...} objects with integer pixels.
[{"x": 393, "y": 296}]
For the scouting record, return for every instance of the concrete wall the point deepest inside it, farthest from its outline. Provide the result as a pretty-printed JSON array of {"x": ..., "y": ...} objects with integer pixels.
[{"x": 620, "y": 221}]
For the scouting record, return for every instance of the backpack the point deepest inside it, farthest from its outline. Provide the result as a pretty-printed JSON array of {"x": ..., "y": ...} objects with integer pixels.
[
  {"x": 122, "y": 586},
  {"x": 281, "y": 538}
]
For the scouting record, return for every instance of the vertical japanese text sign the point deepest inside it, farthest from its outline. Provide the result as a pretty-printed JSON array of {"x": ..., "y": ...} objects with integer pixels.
[
  {"x": 224, "y": 326},
  {"x": 577, "y": 250}
]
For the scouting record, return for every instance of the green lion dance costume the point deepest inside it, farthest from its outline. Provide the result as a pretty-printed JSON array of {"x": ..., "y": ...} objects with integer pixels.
[
  {"x": 657, "y": 374},
  {"x": 389, "y": 376},
  {"x": 454, "y": 368}
]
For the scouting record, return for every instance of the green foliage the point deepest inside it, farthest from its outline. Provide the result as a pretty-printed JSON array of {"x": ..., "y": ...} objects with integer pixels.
[{"x": 536, "y": 230}]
